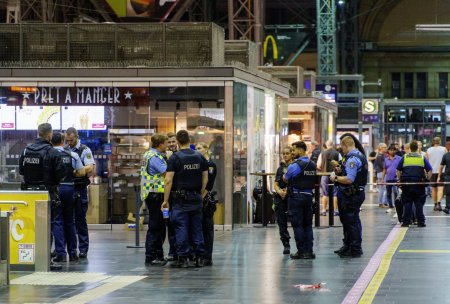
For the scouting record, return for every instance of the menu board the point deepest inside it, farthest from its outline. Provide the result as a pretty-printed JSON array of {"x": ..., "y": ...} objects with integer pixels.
[
  {"x": 83, "y": 118},
  {"x": 7, "y": 117},
  {"x": 30, "y": 117}
]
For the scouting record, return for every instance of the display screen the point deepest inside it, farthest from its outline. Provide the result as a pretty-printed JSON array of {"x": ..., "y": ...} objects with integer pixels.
[
  {"x": 83, "y": 118},
  {"x": 7, "y": 117},
  {"x": 30, "y": 117}
]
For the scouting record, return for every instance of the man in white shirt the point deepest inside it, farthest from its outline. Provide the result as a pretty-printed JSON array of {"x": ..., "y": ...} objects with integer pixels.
[{"x": 434, "y": 155}]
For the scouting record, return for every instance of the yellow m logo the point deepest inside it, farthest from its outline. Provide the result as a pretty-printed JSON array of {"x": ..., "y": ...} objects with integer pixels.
[{"x": 274, "y": 46}]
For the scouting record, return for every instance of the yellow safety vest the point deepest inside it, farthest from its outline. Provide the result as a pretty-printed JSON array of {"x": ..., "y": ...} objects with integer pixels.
[{"x": 151, "y": 183}]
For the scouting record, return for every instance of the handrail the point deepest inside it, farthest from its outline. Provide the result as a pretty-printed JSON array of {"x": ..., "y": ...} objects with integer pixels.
[{"x": 13, "y": 203}]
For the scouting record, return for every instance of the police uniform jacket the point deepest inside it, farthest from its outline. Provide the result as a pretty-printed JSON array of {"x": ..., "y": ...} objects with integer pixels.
[
  {"x": 41, "y": 165},
  {"x": 355, "y": 168},
  {"x": 301, "y": 175}
]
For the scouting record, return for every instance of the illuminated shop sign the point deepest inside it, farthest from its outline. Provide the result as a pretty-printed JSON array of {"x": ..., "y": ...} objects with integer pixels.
[{"x": 71, "y": 96}]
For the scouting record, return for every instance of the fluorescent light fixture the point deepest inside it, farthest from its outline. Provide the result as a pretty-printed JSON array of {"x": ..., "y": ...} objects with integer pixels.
[{"x": 433, "y": 27}]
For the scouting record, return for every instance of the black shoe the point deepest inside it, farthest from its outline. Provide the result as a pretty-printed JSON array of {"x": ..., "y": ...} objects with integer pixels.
[
  {"x": 83, "y": 255},
  {"x": 60, "y": 259},
  {"x": 207, "y": 263},
  {"x": 158, "y": 262},
  {"x": 287, "y": 250},
  {"x": 308, "y": 256},
  {"x": 351, "y": 254},
  {"x": 199, "y": 262},
  {"x": 53, "y": 254},
  {"x": 342, "y": 249},
  {"x": 181, "y": 263},
  {"x": 421, "y": 225},
  {"x": 446, "y": 210},
  {"x": 171, "y": 258},
  {"x": 405, "y": 225},
  {"x": 73, "y": 258},
  {"x": 296, "y": 256},
  {"x": 54, "y": 266}
]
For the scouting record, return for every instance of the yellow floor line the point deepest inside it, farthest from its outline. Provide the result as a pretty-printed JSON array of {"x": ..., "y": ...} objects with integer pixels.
[
  {"x": 424, "y": 251},
  {"x": 371, "y": 290}
]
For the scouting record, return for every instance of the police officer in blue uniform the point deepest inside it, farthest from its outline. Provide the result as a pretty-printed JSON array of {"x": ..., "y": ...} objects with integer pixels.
[
  {"x": 63, "y": 224},
  {"x": 186, "y": 179},
  {"x": 42, "y": 169},
  {"x": 350, "y": 179},
  {"x": 301, "y": 177},
  {"x": 209, "y": 205},
  {"x": 81, "y": 195},
  {"x": 281, "y": 198},
  {"x": 413, "y": 168}
]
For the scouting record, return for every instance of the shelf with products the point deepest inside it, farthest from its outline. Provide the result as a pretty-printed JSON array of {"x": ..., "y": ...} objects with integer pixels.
[{"x": 128, "y": 148}]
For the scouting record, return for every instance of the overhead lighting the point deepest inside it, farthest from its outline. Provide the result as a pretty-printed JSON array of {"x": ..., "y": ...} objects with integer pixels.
[
  {"x": 341, "y": 2},
  {"x": 433, "y": 27}
]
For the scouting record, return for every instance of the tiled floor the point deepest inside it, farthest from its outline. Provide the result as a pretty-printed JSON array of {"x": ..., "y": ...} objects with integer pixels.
[{"x": 249, "y": 268}]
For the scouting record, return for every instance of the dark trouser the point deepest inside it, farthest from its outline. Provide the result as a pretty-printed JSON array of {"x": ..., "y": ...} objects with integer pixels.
[
  {"x": 57, "y": 222},
  {"x": 81, "y": 207},
  {"x": 188, "y": 229},
  {"x": 300, "y": 213},
  {"x": 208, "y": 229},
  {"x": 389, "y": 190},
  {"x": 447, "y": 192},
  {"x": 156, "y": 233},
  {"x": 171, "y": 233},
  {"x": 349, "y": 207},
  {"x": 413, "y": 195},
  {"x": 281, "y": 208},
  {"x": 67, "y": 196}
]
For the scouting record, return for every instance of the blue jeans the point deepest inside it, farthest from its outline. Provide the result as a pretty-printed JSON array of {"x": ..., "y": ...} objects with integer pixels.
[
  {"x": 300, "y": 213},
  {"x": 381, "y": 189},
  {"x": 81, "y": 207},
  {"x": 389, "y": 190},
  {"x": 349, "y": 208}
]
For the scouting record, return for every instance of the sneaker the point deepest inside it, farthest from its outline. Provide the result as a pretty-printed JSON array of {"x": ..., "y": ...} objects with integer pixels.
[
  {"x": 296, "y": 256},
  {"x": 171, "y": 258},
  {"x": 342, "y": 249},
  {"x": 336, "y": 213},
  {"x": 323, "y": 213},
  {"x": 158, "y": 262},
  {"x": 382, "y": 206},
  {"x": 83, "y": 255},
  {"x": 308, "y": 256},
  {"x": 181, "y": 263},
  {"x": 54, "y": 266},
  {"x": 389, "y": 210}
]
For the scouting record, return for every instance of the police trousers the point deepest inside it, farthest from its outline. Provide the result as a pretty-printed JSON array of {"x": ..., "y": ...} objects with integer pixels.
[
  {"x": 81, "y": 207},
  {"x": 281, "y": 209},
  {"x": 156, "y": 233},
  {"x": 187, "y": 219},
  {"x": 413, "y": 195},
  {"x": 208, "y": 227},
  {"x": 301, "y": 214},
  {"x": 63, "y": 222},
  {"x": 349, "y": 208}
]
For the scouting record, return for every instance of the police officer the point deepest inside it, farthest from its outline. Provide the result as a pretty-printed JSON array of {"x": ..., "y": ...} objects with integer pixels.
[
  {"x": 350, "y": 180},
  {"x": 42, "y": 168},
  {"x": 153, "y": 169},
  {"x": 280, "y": 200},
  {"x": 186, "y": 178},
  {"x": 209, "y": 205},
  {"x": 411, "y": 169},
  {"x": 81, "y": 183},
  {"x": 301, "y": 176},
  {"x": 63, "y": 224}
]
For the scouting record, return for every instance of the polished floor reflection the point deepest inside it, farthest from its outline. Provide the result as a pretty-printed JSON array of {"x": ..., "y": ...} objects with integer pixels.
[{"x": 249, "y": 268}]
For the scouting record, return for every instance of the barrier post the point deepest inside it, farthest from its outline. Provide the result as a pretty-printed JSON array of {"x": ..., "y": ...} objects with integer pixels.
[
  {"x": 330, "y": 203},
  {"x": 137, "y": 227},
  {"x": 4, "y": 248}
]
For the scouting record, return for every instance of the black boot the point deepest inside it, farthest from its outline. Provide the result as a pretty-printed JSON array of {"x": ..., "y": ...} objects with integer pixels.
[{"x": 287, "y": 248}]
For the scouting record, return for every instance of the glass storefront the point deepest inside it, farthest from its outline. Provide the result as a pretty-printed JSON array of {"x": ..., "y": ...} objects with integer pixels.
[{"x": 117, "y": 124}]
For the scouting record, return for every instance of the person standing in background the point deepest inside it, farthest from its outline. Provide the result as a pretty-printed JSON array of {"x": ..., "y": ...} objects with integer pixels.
[
  {"x": 434, "y": 155},
  {"x": 390, "y": 175},
  {"x": 324, "y": 164},
  {"x": 419, "y": 144},
  {"x": 81, "y": 189},
  {"x": 379, "y": 161}
]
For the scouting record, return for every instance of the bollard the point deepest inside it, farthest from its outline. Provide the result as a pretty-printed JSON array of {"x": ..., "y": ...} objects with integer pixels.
[
  {"x": 137, "y": 227},
  {"x": 317, "y": 202},
  {"x": 330, "y": 204}
]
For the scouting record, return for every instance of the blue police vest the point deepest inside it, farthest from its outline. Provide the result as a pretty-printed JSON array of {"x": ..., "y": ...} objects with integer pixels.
[
  {"x": 35, "y": 164},
  {"x": 190, "y": 175},
  {"x": 307, "y": 177},
  {"x": 361, "y": 174},
  {"x": 66, "y": 158}
]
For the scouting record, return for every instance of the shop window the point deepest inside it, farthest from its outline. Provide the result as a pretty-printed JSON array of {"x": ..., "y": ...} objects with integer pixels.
[
  {"x": 432, "y": 115},
  {"x": 395, "y": 85},
  {"x": 421, "y": 87},
  {"x": 396, "y": 115},
  {"x": 415, "y": 115},
  {"x": 443, "y": 85},
  {"x": 409, "y": 84}
]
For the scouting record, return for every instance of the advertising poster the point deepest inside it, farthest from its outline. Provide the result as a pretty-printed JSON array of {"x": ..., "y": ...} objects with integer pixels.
[
  {"x": 83, "y": 118},
  {"x": 22, "y": 225},
  {"x": 7, "y": 117},
  {"x": 30, "y": 117}
]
